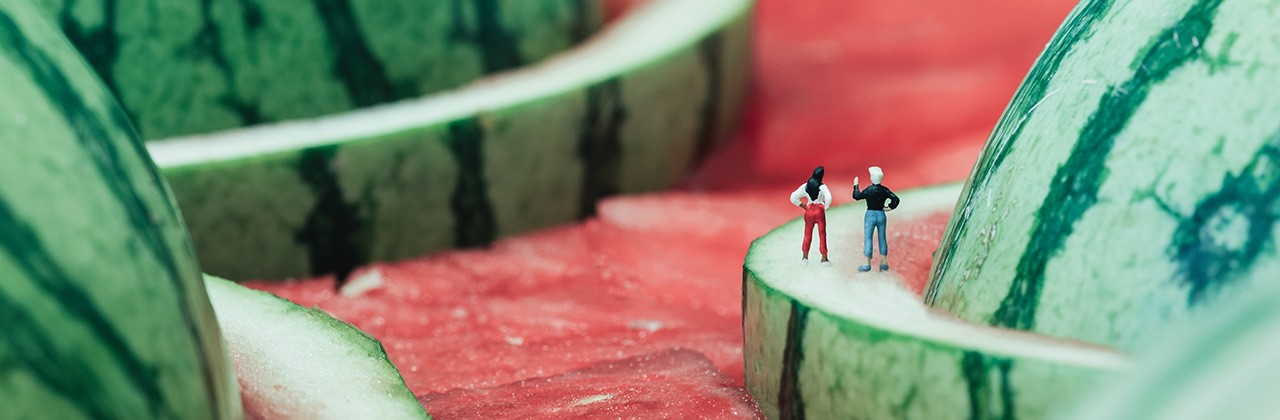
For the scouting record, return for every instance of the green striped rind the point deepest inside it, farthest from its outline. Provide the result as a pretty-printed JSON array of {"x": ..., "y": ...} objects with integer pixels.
[
  {"x": 1223, "y": 366},
  {"x": 194, "y": 66},
  {"x": 450, "y": 179},
  {"x": 298, "y": 362},
  {"x": 103, "y": 311},
  {"x": 829, "y": 342},
  {"x": 1140, "y": 182}
]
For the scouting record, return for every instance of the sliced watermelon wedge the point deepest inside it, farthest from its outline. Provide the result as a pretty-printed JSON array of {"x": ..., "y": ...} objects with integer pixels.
[
  {"x": 674, "y": 384},
  {"x": 296, "y": 362},
  {"x": 630, "y": 110},
  {"x": 825, "y": 342}
]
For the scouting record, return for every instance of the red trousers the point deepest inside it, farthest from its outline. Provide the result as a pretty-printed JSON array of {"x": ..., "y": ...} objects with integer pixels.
[{"x": 815, "y": 213}]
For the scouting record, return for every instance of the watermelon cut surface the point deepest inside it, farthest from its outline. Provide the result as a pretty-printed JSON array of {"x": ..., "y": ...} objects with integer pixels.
[
  {"x": 631, "y": 110},
  {"x": 295, "y": 362},
  {"x": 827, "y": 342},
  {"x": 668, "y": 384}
]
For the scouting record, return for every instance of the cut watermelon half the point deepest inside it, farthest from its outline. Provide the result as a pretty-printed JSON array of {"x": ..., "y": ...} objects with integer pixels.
[
  {"x": 630, "y": 110},
  {"x": 824, "y": 342},
  {"x": 673, "y": 384},
  {"x": 296, "y": 362}
]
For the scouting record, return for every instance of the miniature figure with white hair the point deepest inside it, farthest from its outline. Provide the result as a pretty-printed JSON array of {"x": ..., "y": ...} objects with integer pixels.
[{"x": 874, "y": 221}]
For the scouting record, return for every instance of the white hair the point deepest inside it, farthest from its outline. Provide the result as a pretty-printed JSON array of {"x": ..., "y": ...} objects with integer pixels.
[{"x": 877, "y": 175}]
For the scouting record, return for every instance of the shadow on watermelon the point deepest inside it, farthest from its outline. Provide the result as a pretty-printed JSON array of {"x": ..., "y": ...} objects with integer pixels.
[{"x": 913, "y": 88}]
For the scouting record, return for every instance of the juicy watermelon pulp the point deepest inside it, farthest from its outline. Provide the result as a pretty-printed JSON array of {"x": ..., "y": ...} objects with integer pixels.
[{"x": 911, "y": 87}]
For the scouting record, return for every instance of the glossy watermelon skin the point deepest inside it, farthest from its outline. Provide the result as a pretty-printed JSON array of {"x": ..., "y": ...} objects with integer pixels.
[
  {"x": 1132, "y": 178},
  {"x": 104, "y": 312},
  {"x": 464, "y": 182},
  {"x": 195, "y": 66}
]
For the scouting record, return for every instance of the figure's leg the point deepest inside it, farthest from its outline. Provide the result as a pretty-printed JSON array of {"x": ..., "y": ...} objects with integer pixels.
[
  {"x": 822, "y": 234},
  {"x": 867, "y": 225},
  {"x": 881, "y": 227},
  {"x": 808, "y": 238}
]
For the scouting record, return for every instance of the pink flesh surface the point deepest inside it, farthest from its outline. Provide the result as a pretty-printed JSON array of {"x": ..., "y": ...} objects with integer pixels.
[{"x": 672, "y": 384}]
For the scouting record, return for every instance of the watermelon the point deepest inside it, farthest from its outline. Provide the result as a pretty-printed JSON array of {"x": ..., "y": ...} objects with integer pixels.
[
  {"x": 1222, "y": 366},
  {"x": 188, "y": 67},
  {"x": 629, "y": 111},
  {"x": 1133, "y": 174},
  {"x": 103, "y": 310},
  {"x": 831, "y": 342},
  {"x": 296, "y": 362},
  {"x": 667, "y": 384}
]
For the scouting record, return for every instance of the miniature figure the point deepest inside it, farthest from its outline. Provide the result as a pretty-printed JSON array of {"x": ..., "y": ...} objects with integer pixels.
[
  {"x": 875, "y": 194},
  {"x": 815, "y": 213}
]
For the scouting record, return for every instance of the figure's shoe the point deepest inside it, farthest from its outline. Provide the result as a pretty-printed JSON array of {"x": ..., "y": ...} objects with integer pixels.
[
  {"x": 826, "y": 263},
  {"x": 804, "y": 262},
  {"x": 864, "y": 268},
  {"x": 884, "y": 267}
]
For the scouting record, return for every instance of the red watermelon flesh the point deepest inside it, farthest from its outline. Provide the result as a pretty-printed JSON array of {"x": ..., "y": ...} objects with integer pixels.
[
  {"x": 673, "y": 384},
  {"x": 844, "y": 85},
  {"x": 912, "y": 86}
]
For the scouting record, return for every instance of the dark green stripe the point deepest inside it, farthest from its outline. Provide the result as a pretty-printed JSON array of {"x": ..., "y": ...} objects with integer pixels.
[
  {"x": 332, "y": 228},
  {"x": 976, "y": 369},
  {"x": 585, "y": 20},
  {"x": 1207, "y": 261},
  {"x": 1079, "y": 27},
  {"x": 600, "y": 145},
  {"x": 99, "y": 46},
  {"x": 62, "y": 374},
  {"x": 790, "y": 402},
  {"x": 208, "y": 44},
  {"x": 1075, "y": 185},
  {"x": 29, "y": 252},
  {"x": 497, "y": 47},
  {"x": 354, "y": 63},
  {"x": 470, "y": 200},
  {"x": 109, "y": 161},
  {"x": 711, "y": 51}
]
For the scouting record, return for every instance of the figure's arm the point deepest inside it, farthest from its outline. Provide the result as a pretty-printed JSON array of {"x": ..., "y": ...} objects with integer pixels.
[
  {"x": 893, "y": 199},
  {"x": 796, "y": 196},
  {"x": 824, "y": 196},
  {"x": 857, "y": 195}
]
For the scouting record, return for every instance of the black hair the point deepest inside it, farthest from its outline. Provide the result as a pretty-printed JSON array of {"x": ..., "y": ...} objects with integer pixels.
[{"x": 815, "y": 181}]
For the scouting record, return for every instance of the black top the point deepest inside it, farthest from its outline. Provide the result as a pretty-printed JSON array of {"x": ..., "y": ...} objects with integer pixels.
[{"x": 875, "y": 194}]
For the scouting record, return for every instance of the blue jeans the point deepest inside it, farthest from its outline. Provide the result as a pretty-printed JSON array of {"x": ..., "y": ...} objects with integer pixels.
[{"x": 874, "y": 221}]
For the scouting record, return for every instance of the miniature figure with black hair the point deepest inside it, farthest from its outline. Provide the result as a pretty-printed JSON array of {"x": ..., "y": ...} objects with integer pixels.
[{"x": 814, "y": 197}]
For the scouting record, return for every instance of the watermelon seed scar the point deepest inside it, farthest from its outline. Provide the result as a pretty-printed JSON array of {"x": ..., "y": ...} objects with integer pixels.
[
  {"x": 790, "y": 403},
  {"x": 96, "y": 138},
  {"x": 332, "y": 225},
  {"x": 1226, "y": 232},
  {"x": 1080, "y": 27},
  {"x": 600, "y": 146}
]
